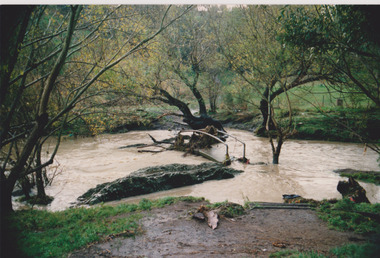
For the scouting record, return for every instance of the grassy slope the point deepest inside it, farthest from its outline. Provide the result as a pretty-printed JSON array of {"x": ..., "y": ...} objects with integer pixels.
[{"x": 39, "y": 233}]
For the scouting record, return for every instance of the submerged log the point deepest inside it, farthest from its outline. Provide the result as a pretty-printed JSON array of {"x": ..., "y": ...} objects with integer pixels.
[{"x": 154, "y": 179}]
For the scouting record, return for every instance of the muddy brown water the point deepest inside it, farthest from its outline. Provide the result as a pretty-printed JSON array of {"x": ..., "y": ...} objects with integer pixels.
[{"x": 306, "y": 168}]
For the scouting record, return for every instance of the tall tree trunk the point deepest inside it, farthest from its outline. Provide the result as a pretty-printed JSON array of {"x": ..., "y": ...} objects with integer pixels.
[
  {"x": 264, "y": 106},
  {"x": 200, "y": 100},
  {"x": 276, "y": 157},
  {"x": 26, "y": 186},
  {"x": 18, "y": 168},
  {"x": 39, "y": 180},
  {"x": 13, "y": 24},
  {"x": 276, "y": 150},
  {"x": 42, "y": 118},
  {"x": 212, "y": 100}
]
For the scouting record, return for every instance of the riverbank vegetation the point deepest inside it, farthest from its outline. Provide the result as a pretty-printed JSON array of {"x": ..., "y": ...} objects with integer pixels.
[
  {"x": 365, "y": 176},
  {"x": 40, "y": 233}
]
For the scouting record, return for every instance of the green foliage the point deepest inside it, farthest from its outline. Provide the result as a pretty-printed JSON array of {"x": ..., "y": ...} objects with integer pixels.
[
  {"x": 338, "y": 124},
  {"x": 171, "y": 200},
  {"x": 347, "y": 215},
  {"x": 228, "y": 209},
  {"x": 357, "y": 251},
  {"x": 113, "y": 119},
  {"x": 54, "y": 234},
  {"x": 343, "y": 39},
  {"x": 365, "y": 177}
]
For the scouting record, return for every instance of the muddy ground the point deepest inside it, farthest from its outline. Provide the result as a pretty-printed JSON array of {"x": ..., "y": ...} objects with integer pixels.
[{"x": 172, "y": 232}]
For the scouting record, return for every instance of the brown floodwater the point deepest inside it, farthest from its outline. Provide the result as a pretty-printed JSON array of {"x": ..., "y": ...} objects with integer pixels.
[{"x": 306, "y": 168}]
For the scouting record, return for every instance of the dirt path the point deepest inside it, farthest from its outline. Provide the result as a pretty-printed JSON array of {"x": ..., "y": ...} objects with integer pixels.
[{"x": 171, "y": 232}]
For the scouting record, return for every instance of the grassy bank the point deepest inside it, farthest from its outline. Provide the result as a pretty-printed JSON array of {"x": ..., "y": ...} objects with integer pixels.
[
  {"x": 345, "y": 215},
  {"x": 39, "y": 233},
  {"x": 365, "y": 176},
  {"x": 344, "y": 125},
  {"x": 333, "y": 124}
]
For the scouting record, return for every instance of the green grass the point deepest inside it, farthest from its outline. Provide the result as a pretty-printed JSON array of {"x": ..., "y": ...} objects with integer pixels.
[
  {"x": 316, "y": 115},
  {"x": 357, "y": 251},
  {"x": 228, "y": 209},
  {"x": 346, "y": 215},
  {"x": 373, "y": 177},
  {"x": 41, "y": 233}
]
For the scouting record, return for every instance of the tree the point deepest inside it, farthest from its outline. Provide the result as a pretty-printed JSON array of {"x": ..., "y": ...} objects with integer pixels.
[
  {"x": 344, "y": 38},
  {"x": 63, "y": 35},
  {"x": 249, "y": 41},
  {"x": 181, "y": 57}
]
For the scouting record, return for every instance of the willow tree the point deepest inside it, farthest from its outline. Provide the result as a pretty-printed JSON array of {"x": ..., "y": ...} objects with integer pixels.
[{"x": 58, "y": 38}]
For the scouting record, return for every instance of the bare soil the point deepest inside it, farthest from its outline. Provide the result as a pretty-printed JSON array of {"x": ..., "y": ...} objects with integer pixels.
[{"x": 172, "y": 232}]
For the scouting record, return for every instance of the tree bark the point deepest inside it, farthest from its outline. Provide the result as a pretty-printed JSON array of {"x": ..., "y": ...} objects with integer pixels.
[
  {"x": 264, "y": 107},
  {"x": 276, "y": 157},
  {"x": 14, "y": 22},
  {"x": 39, "y": 179},
  {"x": 276, "y": 150},
  {"x": 193, "y": 121}
]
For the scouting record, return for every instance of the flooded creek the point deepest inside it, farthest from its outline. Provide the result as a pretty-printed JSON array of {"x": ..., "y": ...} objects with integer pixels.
[{"x": 306, "y": 168}]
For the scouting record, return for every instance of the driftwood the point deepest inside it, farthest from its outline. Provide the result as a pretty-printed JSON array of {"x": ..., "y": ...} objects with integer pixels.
[
  {"x": 353, "y": 190},
  {"x": 138, "y": 145},
  {"x": 212, "y": 216},
  {"x": 185, "y": 143},
  {"x": 152, "y": 151},
  {"x": 166, "y": 141},
  {"x": 227, "y": 210}
]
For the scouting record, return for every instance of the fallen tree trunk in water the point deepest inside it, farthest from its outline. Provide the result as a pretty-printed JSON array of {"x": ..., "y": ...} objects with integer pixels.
[{"x": 154, "y": 179}]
